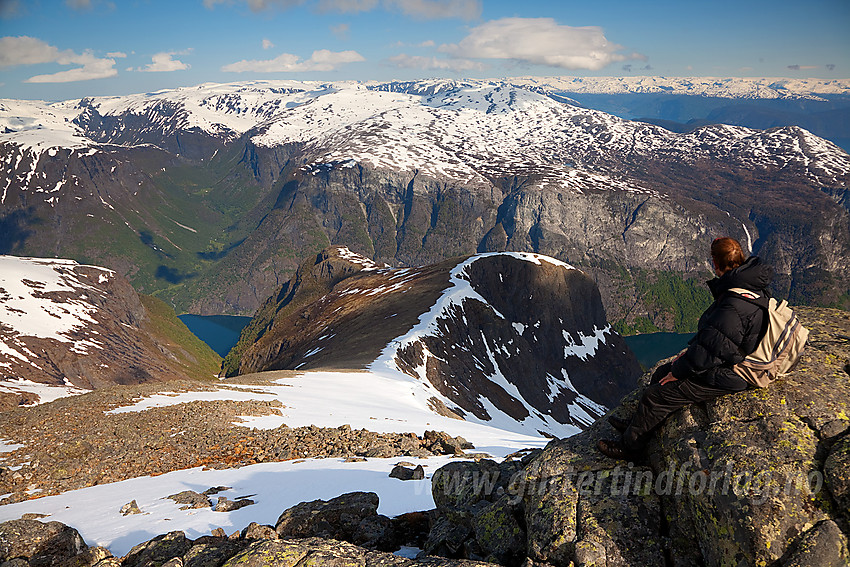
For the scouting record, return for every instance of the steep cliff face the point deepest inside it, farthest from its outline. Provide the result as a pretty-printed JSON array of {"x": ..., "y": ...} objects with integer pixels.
[
  {"x": 66, "y": 324},
  {"x": 201, "y": 184},
  {"x": 497, "y": 334},
  {"x": 755, "y": 478}
]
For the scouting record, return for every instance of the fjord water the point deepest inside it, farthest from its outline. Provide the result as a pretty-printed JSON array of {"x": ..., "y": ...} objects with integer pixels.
[
  {"x": 652, "y": 347},
  {"x": 220, "y": 332}
]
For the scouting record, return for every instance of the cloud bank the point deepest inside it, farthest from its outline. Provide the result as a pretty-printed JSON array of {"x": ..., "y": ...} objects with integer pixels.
[
  {"x": 321, "y": 60},
  {"x": 25, "y": 50},
  {"x": 539, "y": 41},
  {"x": 429, "y": 63}
]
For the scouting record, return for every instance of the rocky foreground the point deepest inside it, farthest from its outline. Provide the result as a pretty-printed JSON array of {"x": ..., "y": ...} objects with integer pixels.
[
  {"x": 756, "y": 478},
  {"x": 311, "y": 533}
]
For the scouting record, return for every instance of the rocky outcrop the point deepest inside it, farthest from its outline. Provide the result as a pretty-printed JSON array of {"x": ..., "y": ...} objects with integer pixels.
[
  {"x": 523, "y": 332},
  {"x": 66, "y": 324},
  {"x": 311, "y": 533},
  {"x": 755, "y": 478}
]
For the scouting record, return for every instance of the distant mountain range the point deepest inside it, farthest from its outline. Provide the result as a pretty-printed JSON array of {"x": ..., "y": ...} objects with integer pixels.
[
  {"x": 209, "y": 196},
  {"x": 683, "y": 104},
  {"x": 719, "y": 87}
]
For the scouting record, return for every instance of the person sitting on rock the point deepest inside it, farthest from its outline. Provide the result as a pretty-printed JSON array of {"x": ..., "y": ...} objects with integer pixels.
[{"x": 730, "y": 329}]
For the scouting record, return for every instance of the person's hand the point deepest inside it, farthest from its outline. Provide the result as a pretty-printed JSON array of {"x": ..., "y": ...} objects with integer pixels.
[{"x": 668, "y": 378}]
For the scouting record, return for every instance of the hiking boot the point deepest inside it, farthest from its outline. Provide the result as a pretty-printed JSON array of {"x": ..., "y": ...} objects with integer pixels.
[
  {"x": 615, "y": 449},
  {"x": 618, "y": 423}
]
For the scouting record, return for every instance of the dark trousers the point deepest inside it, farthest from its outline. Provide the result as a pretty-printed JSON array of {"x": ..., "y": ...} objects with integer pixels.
[{"x": 660, "y": 400}]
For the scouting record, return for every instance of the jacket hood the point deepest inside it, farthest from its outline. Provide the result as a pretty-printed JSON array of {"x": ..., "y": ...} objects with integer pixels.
[{"x": 753, "y": 274}]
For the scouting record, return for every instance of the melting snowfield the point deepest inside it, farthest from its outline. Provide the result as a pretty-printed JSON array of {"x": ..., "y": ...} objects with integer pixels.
[{"x": 325, "y": 399}]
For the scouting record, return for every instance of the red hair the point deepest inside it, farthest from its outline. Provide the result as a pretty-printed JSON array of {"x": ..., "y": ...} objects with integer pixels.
[{"x": 727, "y": 253}]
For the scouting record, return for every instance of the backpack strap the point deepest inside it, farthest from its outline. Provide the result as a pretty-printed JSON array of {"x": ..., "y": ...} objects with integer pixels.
[{"x": 758, "y": 299}]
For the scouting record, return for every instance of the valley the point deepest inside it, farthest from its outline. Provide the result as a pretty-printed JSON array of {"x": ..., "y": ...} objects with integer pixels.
[{"x": 209, "y": 197}]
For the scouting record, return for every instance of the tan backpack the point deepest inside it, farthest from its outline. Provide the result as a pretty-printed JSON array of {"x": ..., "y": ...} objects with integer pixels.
[{"x": 779, "y": 350}]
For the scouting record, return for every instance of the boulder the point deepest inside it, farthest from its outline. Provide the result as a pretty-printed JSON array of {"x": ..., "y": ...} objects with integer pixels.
[
  {"x": 405, "y": 473},
  {"x": 159, "y": 550},
  {"x": 226, "y": 505},
  {"x": 40, "y": 543},
  {"x": 337, "y": 518},
  {"x": 258, "y": 531},
  {"x": 190, "y": 500}
]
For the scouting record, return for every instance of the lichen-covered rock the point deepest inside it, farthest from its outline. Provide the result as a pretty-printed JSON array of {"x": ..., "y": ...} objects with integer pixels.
[
  {"x": 258, "y": 531},
  {"x": 318, "y": 552},
  {"x": 40, "y": 543},
  {"x": 824, "y": 546},
  {"x": 376, "y": 532},
  {"x": 837, "y": 475},
  {"x": 754, "y": 478},
  {"x": 158, "y": 550},
  {"x": 446, "y": 538},
  {"x": 457, "y": 486},
  {"x": 337, "y": 518},
  {"x": 88, "y": 557},
  {"x": 499, "y": 533},
  {"x": 211, "y": 551}
]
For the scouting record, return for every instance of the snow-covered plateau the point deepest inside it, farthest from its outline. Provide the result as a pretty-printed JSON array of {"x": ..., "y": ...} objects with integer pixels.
[{"x": 462, "y": 130}]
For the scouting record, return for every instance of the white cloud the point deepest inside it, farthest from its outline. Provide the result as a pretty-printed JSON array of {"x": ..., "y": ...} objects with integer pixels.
[
  {"x": 117, "y": 54},
  {"x": 540, "y": 41},
  {"x": 24, "y": 50},
  {"x": 267, "y": 44},
  {"x": 92, "y": 68},
  {"x": 321, "y": 60},
  {"x": 427, "y": 43},
  {"x": 163, "y": 63},
  {"x": 419, "y": 62}
]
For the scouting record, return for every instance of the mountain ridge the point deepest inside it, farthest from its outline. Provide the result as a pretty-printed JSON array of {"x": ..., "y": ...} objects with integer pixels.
[{"x": 253, "y": 176}]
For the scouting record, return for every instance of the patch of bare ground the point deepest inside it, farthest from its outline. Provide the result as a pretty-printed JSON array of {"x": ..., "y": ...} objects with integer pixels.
[{"x": 73, "y": 442}]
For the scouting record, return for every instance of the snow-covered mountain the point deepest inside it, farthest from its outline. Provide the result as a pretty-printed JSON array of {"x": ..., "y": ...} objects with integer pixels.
[
  {"x": 514, "y": 340},
  {"x": 74, "y": 326},
  {"x": 735, "y": 88},
  {"x": 199, "y": 183}
]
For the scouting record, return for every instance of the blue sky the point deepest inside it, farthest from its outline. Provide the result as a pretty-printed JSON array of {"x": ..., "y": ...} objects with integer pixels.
[{"x": 57, "y": 50}]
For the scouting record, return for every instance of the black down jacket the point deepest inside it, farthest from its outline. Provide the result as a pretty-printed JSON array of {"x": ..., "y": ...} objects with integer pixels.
[{"x": 729, "y": 329}]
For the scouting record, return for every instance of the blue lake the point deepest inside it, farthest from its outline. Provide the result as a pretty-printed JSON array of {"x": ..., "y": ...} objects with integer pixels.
[
  {"x": 652, "y": 347},
  {"x": 220, "y": 332}
]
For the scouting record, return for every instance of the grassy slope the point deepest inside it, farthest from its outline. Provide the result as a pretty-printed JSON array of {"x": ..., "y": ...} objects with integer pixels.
[{"x": 194, "y": 357}]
